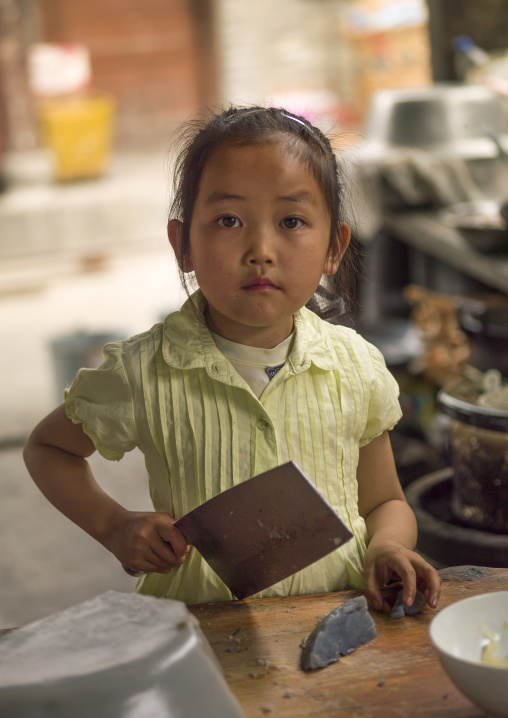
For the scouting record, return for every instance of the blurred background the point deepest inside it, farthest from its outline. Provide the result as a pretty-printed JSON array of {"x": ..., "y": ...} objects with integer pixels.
[{"x": 91, "y": 95}]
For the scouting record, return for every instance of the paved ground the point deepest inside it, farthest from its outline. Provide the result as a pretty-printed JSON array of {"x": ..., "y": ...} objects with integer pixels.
[{"x": 46, "y": 563}]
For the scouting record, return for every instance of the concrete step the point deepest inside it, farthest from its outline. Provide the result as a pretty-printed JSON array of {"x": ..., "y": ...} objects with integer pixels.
[{"x": 126, "y": 207}]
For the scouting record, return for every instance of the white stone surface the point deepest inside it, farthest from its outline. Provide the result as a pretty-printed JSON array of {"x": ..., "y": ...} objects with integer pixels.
[{"x": 117, "y": 656}]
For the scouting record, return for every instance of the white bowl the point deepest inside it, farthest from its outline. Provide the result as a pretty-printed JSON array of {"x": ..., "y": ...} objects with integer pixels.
[{"x": 459, "y": 633}]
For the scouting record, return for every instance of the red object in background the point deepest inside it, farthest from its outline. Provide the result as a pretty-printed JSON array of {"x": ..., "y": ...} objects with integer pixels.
[
  {"x": 58, "y": 69},
  {"x": 156, "y": 57}
]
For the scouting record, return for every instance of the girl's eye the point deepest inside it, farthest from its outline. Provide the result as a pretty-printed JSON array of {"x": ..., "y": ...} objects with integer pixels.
[
  {"x": 292, "y": 223},
  {"x": 229, "y": 222}
]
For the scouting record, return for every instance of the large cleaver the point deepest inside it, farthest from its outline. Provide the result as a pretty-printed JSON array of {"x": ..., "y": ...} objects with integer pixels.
[{"x": 264, "y": 529}]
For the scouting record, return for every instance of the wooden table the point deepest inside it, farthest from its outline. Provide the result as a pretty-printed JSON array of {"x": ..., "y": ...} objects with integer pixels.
[
  {"x": 398, "y": 675},
  {"x": 258, "y": 644}
]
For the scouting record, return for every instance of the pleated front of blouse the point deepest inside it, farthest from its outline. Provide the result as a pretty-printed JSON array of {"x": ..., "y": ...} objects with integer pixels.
[{"x": 202, "y": 430}]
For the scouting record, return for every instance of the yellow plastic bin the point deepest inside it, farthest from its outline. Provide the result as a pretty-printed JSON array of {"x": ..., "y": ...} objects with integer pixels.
[{"x": 79, "y": 131}]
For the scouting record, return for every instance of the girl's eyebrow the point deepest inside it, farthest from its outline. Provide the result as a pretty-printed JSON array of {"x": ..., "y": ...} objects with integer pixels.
[
  {"x": 220, "y": 196},
  {"x": 302, "y": 196}
]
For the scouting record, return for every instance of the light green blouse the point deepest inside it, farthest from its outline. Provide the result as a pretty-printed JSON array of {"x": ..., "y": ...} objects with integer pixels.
[{"x": 173, "y": 394}]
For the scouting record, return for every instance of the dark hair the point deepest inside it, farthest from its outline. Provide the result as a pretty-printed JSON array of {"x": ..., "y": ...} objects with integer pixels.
[{"x": 252, "y": 125}]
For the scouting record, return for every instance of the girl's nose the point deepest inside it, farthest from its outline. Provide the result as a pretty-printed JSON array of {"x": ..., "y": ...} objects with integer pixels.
[
  {"x": 260, "y": 249},
  {"x": 260, "y": 259}
]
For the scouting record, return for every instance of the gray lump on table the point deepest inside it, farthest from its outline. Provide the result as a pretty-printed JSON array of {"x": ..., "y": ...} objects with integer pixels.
[
  {"x": 338, "y": 634},
  {"x": 399, "y": 610}
]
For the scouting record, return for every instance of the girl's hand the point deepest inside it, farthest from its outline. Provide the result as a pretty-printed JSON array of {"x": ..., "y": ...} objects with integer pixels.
[
  {"x": 147, "y": 541},
  {"x": 382, "y": 561},
  {"x": 391, "y": 528}
]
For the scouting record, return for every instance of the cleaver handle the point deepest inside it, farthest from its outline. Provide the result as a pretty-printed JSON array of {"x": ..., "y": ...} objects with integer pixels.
[
  {"x": 137, "y": 574},
  {"x": 131, "y": 572}
]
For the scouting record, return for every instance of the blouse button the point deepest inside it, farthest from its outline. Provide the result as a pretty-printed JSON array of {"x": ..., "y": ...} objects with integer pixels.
[{"x": 261, "y": 424}]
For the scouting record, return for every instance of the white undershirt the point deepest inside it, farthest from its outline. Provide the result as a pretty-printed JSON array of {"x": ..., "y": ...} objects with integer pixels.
[{"x": 254, "y": 363}]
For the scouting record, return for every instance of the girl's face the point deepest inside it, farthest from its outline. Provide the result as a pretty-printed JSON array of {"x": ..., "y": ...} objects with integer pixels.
[{"x": 259, "y": 241}]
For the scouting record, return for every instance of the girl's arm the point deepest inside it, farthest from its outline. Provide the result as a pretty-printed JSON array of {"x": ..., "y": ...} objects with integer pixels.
[
  {"x": 391, "y": 528},
  {"x": 55, "y": 455}
]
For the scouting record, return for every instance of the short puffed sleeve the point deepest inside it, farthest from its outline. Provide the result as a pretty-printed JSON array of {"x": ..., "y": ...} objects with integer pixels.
[
  {"x": 101, "y": 401},
  {"x": 383, "y": 409}
]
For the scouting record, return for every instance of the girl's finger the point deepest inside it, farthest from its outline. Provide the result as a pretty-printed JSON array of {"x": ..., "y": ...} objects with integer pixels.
[
  {"x": 374, "y": 598},
  {"x": 172, "y": 537},
  {"x": 430, "y": 582},
  {"x": 152, "y": 561},
  {"x": 165, "y": 555},
  {"x": 423, "y": 577},
  {"x": 407, "y": 573},
  {"x": 373, "y": 586}
]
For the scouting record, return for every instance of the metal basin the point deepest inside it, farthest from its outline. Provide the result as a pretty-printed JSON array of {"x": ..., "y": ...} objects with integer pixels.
[
  {"x": 480, "y": 223},
  {"x": 451, "y": 119}
]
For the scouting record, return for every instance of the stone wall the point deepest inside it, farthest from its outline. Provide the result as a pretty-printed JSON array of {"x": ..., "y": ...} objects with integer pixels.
[{"x": 269, "y": 48}]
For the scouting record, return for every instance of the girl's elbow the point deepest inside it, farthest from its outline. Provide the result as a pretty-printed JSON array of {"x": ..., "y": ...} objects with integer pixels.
[
  {"x": 32, "y": 447},
  {"x": 35, "y": 439},
  {"x": 29, "y": 454}
]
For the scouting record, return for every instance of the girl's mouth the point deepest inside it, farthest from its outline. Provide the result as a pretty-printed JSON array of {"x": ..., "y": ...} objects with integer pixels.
[{"x": 261, "y": 284}]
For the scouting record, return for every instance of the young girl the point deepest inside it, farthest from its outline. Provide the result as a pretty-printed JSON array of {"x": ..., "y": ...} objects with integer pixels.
[{"x": 244, "y": 377}]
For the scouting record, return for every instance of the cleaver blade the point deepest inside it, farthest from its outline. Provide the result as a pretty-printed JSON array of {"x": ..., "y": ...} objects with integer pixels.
[{"x": 263, "y": 530}]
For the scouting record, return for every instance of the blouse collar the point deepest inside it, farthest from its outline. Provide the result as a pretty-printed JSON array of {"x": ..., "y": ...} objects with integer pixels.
[{"x": 188, "y": 344}]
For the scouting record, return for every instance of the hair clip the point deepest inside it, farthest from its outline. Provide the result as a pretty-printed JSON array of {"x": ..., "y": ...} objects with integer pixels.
[
  {"x": 310, "y": 128},
  {"x": 254, "y": 110},
  {"x": 239, "y": 115},
  {"x": 295, "y": 119}
]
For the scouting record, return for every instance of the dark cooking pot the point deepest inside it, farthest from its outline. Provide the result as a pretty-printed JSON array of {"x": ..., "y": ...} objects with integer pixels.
[
  {"x": 478, "y": 446},
  {"x": 481, "y": 224},
  {"x": 504, "y": 211},
  {"x": 486, "y": 324}
]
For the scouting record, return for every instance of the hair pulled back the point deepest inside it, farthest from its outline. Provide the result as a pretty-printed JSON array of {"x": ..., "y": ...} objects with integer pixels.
[{"x": 255, "y": 125}]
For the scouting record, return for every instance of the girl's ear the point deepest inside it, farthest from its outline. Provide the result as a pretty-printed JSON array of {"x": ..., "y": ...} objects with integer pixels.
[
  {"x": 335, "y": 256},
  {"x": 175, "y": 229}
]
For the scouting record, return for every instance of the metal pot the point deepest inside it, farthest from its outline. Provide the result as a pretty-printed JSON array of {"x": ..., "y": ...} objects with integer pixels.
[
  {"x": 480, "y": 223},
  {"x": 451, "y": 120},
  {"x": 478, "y": 447},
  {"x": 503, "y": 210},
  {"x": 486, "y": 324}
]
